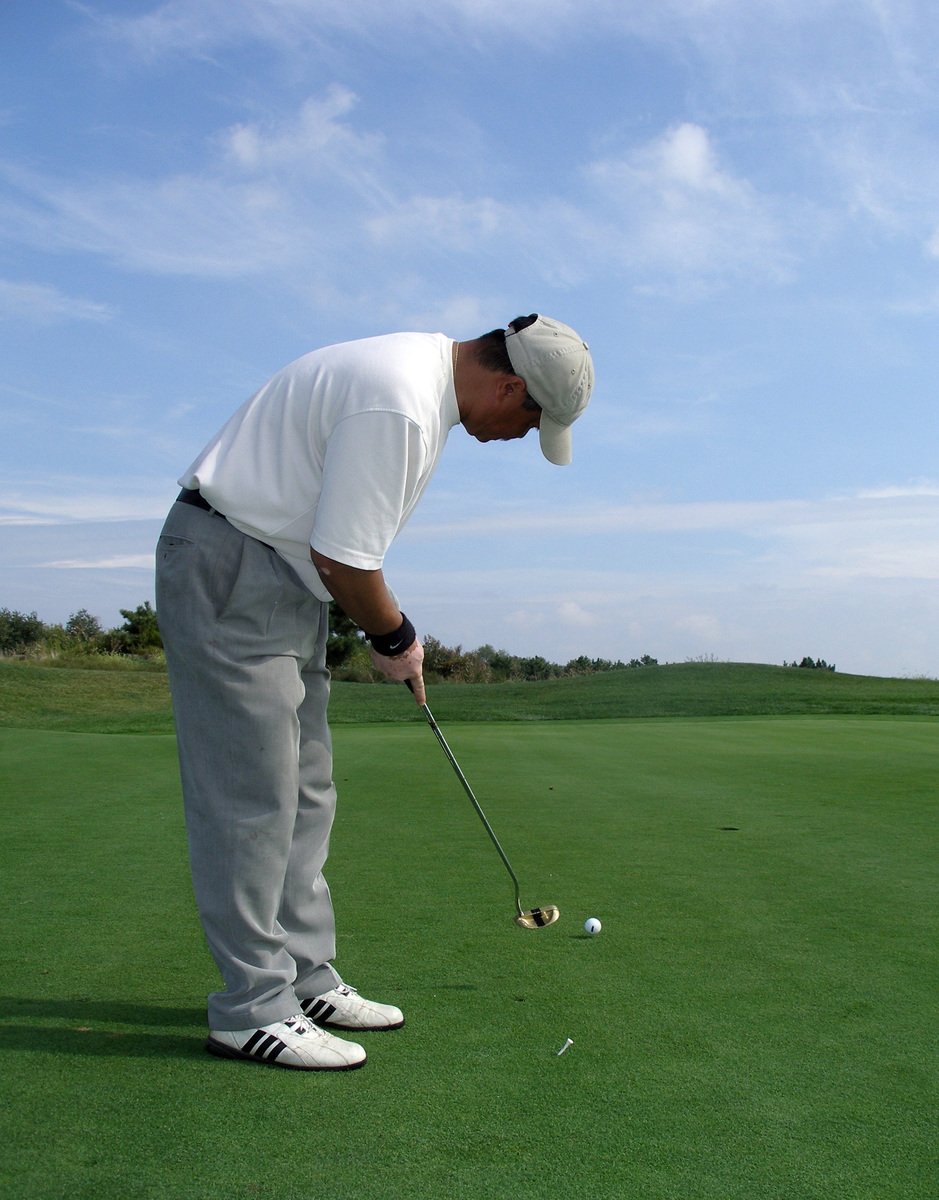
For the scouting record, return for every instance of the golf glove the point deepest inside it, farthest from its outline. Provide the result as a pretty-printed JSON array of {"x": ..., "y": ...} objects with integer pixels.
[{"x": 404, "y": 668}]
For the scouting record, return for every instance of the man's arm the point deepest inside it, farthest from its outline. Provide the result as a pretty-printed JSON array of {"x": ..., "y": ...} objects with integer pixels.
[{"x": 364, "y": 597}]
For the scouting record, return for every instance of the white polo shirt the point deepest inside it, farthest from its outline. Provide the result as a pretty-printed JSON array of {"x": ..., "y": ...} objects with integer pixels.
[{"x": 335, "y": 450}]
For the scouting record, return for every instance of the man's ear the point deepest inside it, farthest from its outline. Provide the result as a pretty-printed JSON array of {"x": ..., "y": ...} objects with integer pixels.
[{"x": 512, "y": 389}]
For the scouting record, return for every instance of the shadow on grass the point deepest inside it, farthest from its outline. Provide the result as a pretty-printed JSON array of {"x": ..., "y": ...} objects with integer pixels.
[{"x": 99, "y": 1027}]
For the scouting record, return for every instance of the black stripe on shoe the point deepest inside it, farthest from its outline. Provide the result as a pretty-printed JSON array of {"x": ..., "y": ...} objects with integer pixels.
[
  {"x": 317, "y": 1010},
  {"x": 260, "y": 1047},
  {"x": 264, "y": 1045}
]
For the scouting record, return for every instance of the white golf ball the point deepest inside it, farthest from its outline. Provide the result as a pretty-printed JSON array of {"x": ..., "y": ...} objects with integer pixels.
[{"x": 592, "y": 925}]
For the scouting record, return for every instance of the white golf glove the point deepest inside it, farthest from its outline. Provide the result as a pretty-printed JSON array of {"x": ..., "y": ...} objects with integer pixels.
[{"x": 404, "y": 668}]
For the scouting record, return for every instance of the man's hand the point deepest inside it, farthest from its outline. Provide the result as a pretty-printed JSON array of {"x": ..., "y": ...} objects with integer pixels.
[{"x": 403, "y": 668}]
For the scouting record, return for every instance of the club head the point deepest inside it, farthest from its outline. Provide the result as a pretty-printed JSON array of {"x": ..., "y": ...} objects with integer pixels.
[{"x": 538, "y": 918}]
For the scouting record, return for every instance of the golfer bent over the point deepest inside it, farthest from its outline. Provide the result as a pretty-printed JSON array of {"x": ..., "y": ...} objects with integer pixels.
[{"x": 294, "y": 502}]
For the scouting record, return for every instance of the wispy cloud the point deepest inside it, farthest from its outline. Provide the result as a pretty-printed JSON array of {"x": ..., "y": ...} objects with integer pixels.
[
  {"x": 284, "y": 195},
  {"x": 900, "y": 491},
  {"x": 456, "y": 222},
  {"x": 197, "y": 28},
  {"x": 183, "y": 225},
  {"x": 562, "y": 612},
  {"x": 302, "y": 195},
  {"x": 106, "y": 563},
  {"x": 193, "y": 25},
  {"x": 68, "y": 500},
  {"x": 666, "y": 207},
  {"x": 675, "y": 210},
  {"x": 893, "y": 185},
  {"x": 41, "y": 304},
  {"x": 888, "y": 533}
]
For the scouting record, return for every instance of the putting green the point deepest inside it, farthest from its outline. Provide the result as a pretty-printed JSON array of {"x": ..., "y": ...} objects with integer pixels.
[{"x": 756, "y": 1019}]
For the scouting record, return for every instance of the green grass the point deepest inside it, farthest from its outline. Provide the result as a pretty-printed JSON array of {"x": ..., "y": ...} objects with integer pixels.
[
  {"x": 756, "y": 1021},
  {"x": 113, "y": 701},
  {"x": 83, "y": 699}
]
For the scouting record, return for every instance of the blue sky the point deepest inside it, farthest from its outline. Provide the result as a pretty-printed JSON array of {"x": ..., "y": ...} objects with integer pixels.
[{"x": 736, "y": 202}]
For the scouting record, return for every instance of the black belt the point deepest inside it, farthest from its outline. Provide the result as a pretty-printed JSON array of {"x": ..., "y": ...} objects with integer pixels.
[{"x": 196, "y": 499}]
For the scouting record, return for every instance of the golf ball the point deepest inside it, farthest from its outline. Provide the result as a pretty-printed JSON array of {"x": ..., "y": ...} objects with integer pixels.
[{"x": 592, "y": 925}]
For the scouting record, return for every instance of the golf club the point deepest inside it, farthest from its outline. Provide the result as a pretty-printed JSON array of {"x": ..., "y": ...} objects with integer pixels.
[{"x": 530, "y": 918}]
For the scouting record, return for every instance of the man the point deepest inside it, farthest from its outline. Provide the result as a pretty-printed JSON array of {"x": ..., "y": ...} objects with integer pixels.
[{"x": 294, "y": 502}]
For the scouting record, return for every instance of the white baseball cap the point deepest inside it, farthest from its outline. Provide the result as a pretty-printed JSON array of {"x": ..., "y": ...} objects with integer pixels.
[{"x": 557, "y": 368}]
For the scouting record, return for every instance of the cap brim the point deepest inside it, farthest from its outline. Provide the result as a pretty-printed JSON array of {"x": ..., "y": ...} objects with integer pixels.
[{"x": 555, "y": 440}]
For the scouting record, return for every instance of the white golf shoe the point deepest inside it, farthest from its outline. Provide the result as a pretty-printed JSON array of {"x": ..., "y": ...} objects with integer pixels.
[
  {"x": 344, "y": 1008},
  {"x": 294, "y": 1043}
]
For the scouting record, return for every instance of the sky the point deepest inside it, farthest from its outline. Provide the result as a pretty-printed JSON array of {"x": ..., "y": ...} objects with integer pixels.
[{"x": 735, "y": 202}]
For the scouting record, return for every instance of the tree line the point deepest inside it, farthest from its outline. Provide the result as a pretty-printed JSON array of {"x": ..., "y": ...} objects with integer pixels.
[
  {"x": 347, "y": 658},
  {"x": 25, "y": 635}
]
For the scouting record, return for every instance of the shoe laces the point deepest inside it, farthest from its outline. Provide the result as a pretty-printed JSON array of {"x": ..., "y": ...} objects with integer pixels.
[{"x": 299, "y": 1024}]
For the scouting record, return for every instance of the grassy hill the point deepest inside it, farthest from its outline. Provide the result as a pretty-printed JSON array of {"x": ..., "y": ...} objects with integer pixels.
[{"x": 137, "y": 701}]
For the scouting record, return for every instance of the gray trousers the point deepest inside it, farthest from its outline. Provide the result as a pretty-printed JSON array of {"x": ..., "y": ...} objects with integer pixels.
[{"x": 246, "y": 653}]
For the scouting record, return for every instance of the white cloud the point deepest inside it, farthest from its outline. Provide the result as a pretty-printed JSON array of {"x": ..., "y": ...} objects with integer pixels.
[
  {"x": 573, "y": 614},
  {"x": 899, "y": 491},
  {"x": 705, "y": 628},
  {"x": 317, "y": 144},
  {"x": 450, "y": 221},
  {"x": 671, "y": 204},
  {"x": 316, "y": 128}
]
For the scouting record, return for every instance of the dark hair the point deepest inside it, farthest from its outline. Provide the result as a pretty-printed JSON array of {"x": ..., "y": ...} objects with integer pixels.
[{"x": 491, "y": 352}]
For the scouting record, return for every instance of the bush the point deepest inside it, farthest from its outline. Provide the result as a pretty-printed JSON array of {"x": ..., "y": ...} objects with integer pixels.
[
  {"x": 24, "y": 635},
  {"x": 19, "y": 631},
  {"x": 83, "y": 628}
]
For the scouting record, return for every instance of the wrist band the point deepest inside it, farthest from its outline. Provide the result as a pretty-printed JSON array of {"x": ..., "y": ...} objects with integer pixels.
[{"x": 390, "y": 644}]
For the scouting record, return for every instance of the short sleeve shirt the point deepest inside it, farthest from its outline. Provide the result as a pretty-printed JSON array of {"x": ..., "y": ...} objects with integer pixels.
[{"x": 335, "y": 450}]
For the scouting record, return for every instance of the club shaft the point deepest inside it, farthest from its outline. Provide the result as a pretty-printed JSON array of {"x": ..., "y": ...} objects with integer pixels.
[{"x": 469, "y": 791}]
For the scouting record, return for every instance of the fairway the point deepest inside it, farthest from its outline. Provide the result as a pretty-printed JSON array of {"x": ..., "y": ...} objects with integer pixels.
[{"x": 757, "y": 1019}]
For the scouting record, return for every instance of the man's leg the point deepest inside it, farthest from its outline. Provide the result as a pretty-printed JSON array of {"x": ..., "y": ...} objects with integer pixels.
[
  {"x": 307, "y": 912},
  {"x": 234, "y": 626}
]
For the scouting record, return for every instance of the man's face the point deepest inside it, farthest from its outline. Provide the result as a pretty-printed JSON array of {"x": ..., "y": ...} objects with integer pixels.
[{"x": 504, "y": 418}]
